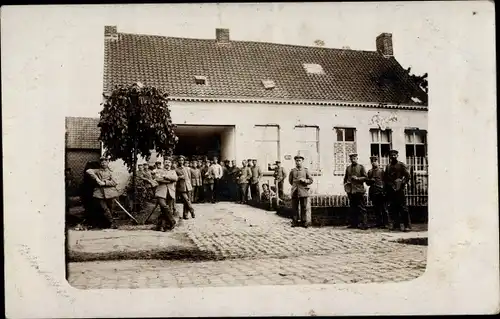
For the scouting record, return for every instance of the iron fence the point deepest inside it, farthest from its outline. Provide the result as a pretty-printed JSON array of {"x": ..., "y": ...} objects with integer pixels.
[{"x": 416, "y": 191}]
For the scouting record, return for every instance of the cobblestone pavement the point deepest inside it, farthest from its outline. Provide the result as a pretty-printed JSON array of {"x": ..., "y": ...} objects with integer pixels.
[{"x": 256, "y": 247}]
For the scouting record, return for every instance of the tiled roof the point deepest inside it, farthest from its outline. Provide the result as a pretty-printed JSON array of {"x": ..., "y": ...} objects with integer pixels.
[
  {"x": 82, "y": 133},
  {"x": 236, "y": 70}
]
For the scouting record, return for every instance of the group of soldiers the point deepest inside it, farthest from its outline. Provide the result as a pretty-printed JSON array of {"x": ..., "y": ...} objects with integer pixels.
[
  {"x": 208, "y": 181},
  {"x": 386, "y": 192},
  {"x": 212, "y": 182}
]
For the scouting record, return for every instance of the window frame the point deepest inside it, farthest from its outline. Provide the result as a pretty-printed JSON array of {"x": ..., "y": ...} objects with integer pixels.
[
  {"x": 316, "y": 171},
  {"x": 278, "y": 145},
  {"x": 344, "y": 151},
  {"x": 379, "y": 135},
  {"x": 414, "y": 143}
]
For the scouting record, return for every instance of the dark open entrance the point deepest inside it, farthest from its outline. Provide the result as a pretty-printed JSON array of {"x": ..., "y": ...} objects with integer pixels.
[{"x": 203, "y": 140}]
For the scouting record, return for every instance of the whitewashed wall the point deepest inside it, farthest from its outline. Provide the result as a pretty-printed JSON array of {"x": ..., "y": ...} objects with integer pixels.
[{"x": 239, "y": 143}]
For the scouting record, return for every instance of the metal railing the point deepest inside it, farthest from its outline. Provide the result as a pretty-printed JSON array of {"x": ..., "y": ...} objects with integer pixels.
[{"x": 416, "y": 191}]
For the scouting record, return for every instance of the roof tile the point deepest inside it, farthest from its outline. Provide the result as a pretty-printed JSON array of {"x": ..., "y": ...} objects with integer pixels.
[
  {"x": 236, "y": 69},
  {"x": 82, "y": 133}
]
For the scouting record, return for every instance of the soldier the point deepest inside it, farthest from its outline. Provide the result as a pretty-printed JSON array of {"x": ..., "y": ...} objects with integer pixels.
[
  {"x": 249, "y": 192},
  {"x": 105, "y": 191},
  {"x": 165, "y": 195},
  {"x": 217, "y": 173},
  {"x": 300, "y": 179},
  {"x": 255, "y": 181},
  {"x": 184, "y": 187},
  {"x": 396, "y": 177},
  {"x": 354, "y": 178},
  {"x": 244, "y": 176},
  {"x": 195, "y": 181},
  {"x": 279, "y": 178},
  {"x": 208, "y": 182},
  {"x": 376, "y": 192},
  {"x": 233, "y": 181}
]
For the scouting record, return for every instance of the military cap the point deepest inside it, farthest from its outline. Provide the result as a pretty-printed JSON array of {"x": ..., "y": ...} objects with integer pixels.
[
  {"x": 353, "y": 154},
  {"x": 298, "y": 156},
  {"x": 393, "y": 152},
  {"x": 181, "y": 157},
  {"x": 373, "y": 158}
]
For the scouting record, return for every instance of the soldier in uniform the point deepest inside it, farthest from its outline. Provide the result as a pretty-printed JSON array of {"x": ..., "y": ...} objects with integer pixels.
[
  {"x": 196, "y": 181},
  {"x": 184, "y": 187},
  {"x": 376, "y": 192},
  {"x": 255, "y": 181},
  {"x": 233, "y": 181},
  {"x": 354, "y": 178},
  {"x": 249, "y": 195},
  {"x": 300, "y": 179},
  {"x": 396, "y": 177},
  {"x": 244, "y": 176},
  {"x": 105, "y": 191},
  {"x": 165, "y": 195},
  {"x": 279, "y": 178}
]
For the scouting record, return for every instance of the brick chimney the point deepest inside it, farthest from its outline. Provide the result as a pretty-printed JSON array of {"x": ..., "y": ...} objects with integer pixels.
[
  {"x": 110, "y": 33},
  {"x": 384, "y": 44},
  {"x": 222, "y": 35}
]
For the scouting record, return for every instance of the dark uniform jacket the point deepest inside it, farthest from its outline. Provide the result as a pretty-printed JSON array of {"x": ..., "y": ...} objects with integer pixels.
[
  {"x": 396, "y": 176},
  {"x": 375, "y": 181}
]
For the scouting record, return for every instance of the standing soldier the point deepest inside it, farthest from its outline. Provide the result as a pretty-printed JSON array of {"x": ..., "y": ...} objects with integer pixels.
[
  {"x": 184, "y": 187},
  {"x": 195, "y": 181},
  {"x": 249, "y": 191},
  {"x": 396, "y": 178},
  {"x": 165, "y": 195},
  {"x": 279, "y": 177},
  {"x": 300, "y": 179},
  {"x": 255, "y": 182},
  {"x": 376, "y": 192},
  {"x": 233, "y": 181},
  {"x": 216, "y": 172},
  {"x": 105, "y": 191},
  {"x": 244, "y": 176},
  {"x": 354, "y": 178}
]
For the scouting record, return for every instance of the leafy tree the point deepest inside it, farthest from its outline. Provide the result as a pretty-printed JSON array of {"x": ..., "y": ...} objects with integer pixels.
[
  {"x": 419, "y": 80},
  {"x": 134, "y": 120}
]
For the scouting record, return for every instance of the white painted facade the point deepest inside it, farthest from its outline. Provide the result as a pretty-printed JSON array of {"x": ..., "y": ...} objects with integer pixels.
[{"x": 239, "y": 143}]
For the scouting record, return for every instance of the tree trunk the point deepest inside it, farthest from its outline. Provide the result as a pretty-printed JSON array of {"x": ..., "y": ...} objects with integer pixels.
[{"x": 134, "y": 175}]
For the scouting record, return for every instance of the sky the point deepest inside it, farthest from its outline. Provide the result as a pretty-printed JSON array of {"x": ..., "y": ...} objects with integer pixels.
[{"x": 72, "y": 37}]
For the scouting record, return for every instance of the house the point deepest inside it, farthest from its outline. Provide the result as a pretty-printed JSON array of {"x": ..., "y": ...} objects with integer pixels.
[
  {"x": 243, "y": 99},
  {"x": 82, "y": 145}
]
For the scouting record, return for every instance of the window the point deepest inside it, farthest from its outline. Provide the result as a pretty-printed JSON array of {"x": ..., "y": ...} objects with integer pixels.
[
  {"x": 307, "y": 138},
  {"x": 313, "y": 68},
  {"x": 200, "y": 80},
  {"x": 268, "y": 84},
  {"x": 345, "y": 143},
  {"x": 416, "y": 143},
  {"x": 268, "y": 145},
  {"x": 380, "y": 143}
]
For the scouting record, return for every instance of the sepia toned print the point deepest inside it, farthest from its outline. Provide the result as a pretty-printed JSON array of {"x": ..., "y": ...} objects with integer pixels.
[{"x": 223, "y": 162}]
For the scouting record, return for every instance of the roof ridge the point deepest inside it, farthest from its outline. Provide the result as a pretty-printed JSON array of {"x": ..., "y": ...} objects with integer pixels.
[{"x": 256, "y": 42}]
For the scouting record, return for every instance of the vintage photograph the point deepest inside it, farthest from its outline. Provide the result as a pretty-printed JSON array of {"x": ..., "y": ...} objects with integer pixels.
[
  {"x": 267, "y": 159},
  {"x": 232, "y": 160}
]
